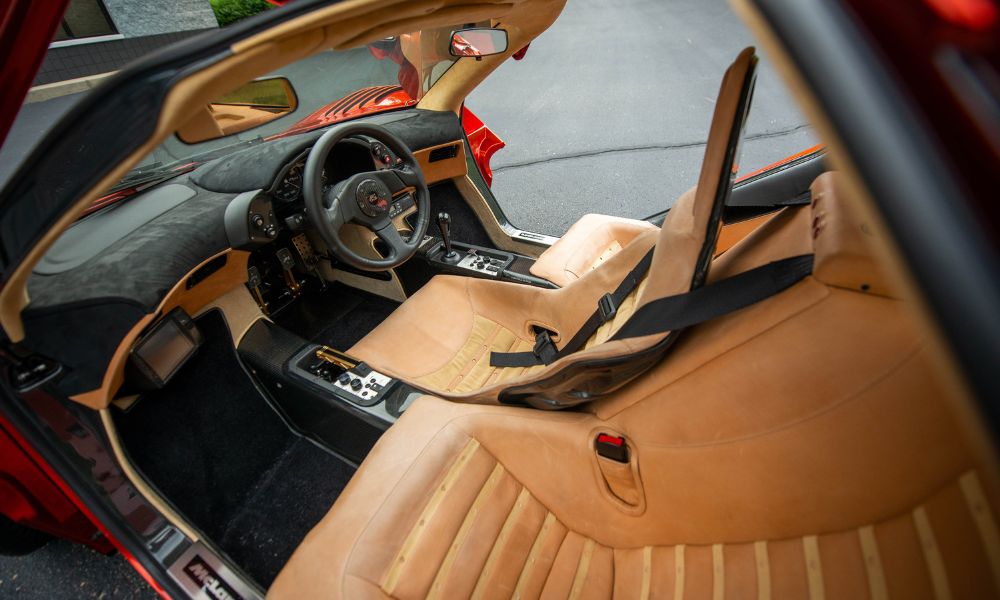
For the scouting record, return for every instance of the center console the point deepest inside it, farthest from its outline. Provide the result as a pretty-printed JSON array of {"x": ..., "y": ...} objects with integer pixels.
[
  {"x": 471, "y": 260},
  {"x": 458, "y": 258},
  {"x": 325, "y": 394},
  {"x": 352, "y": 381}
]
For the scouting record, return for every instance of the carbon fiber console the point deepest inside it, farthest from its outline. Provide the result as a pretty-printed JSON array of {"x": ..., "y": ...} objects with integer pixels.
[{"x": 327, "y": 395}]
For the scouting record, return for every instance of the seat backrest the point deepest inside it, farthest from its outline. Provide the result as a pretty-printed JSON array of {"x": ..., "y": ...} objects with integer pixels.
[
  {"x": 681, "y": 259},
  {"x": 687, "y": 238}
]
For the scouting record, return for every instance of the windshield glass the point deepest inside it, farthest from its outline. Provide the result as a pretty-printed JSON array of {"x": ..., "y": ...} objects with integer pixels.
[{"x": 329, "y": 86}]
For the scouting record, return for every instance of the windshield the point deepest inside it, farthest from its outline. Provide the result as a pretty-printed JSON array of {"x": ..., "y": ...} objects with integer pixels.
[{"x": 330, "y": 86}]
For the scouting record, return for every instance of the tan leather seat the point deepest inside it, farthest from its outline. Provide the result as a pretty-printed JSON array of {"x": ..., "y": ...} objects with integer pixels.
[
  {"x": 587, "y": 245},
  {"x": 441, "y": 338},
  {"x": 804, "y": 447}
]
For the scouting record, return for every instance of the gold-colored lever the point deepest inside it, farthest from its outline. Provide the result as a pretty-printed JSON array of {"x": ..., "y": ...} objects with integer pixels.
[
  {"x": 293, "y": 285},
  {"x": 332, "y": 356}
]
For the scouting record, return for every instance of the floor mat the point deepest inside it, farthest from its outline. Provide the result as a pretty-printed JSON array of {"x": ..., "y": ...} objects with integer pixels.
[
  {"x": 214, "y": 446},
  {"x": 337, "y": 317},
  {"x": 288, "y": 499}
]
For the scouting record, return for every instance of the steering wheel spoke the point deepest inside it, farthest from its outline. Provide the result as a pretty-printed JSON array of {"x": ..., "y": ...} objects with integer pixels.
[
  {"x": 334, "y": 216},
  {"x": 340, "y": 206},
  {"x": 390, "y": 235},
  {"x": 406, "y": 175},
  {"x": 398, "y": 180}
]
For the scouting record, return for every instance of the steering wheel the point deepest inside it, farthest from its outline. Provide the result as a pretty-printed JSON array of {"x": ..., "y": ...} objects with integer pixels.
[{"x": 365, "y": 198}]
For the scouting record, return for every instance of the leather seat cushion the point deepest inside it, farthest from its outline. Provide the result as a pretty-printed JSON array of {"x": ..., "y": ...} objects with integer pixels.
[
  {"x": 436, "y": 511},
  {"x": 441, "y": 338},
  {"x": 805, "y": 447},
  {"x": 469, "y": 367}
]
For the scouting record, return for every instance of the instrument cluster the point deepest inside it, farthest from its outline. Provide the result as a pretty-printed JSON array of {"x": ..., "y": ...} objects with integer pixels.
[
  {"x": 290, "y": 188},
  {"x": 349, "y": 157}
]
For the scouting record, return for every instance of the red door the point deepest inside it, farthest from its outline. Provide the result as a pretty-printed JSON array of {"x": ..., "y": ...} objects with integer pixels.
[
  {"x": 29, "y": 493},
  {"x": 26, "y": 28}
]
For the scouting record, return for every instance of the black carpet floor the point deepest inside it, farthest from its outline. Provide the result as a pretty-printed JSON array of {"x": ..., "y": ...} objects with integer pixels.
[
  {"x": 337, "y": 317},
  {"x": 216, "y": 449},
  {"x": 284, "y": 504}
]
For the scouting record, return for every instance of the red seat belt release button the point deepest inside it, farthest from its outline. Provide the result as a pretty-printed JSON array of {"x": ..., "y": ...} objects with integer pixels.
[{"x": 612, "y": 447}]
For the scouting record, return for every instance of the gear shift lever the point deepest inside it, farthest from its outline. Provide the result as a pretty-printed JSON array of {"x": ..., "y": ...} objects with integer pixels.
[{"x": 444, "y": 223}]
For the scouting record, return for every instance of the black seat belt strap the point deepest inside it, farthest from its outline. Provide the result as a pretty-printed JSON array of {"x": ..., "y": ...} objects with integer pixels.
[
  {"x": 716, "y": 299},
  {"x": 682, "y": 310},
  {"x": 545, "y": 351}
]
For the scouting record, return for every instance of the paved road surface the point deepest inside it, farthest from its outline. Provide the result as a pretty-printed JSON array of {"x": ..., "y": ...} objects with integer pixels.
[
  {"x": 608, "y": 110},
  {"x": 63, "y": 569},
  {"x": 607, "y": 113}
]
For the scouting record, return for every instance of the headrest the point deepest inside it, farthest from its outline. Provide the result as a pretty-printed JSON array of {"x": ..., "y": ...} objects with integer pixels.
[{"x": 843, "y": 243}]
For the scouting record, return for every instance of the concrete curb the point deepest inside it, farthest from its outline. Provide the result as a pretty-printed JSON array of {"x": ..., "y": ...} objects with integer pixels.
[{"x": 49, "y": 91}]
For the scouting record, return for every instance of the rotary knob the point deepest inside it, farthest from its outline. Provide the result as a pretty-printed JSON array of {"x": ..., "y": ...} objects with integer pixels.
[{"x": 257, "y": 221}]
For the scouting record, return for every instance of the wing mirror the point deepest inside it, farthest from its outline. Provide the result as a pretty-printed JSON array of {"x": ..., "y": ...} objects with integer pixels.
[
  {"x": 478, "y": 42},
  {"x": 251, "y": 105}
]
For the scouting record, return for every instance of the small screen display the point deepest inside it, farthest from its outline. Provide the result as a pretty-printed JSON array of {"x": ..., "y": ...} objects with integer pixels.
[{"x": 165, "y": 349}]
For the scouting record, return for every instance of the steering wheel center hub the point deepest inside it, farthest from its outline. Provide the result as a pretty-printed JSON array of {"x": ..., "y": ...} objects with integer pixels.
[{"x": 373, "y": 198}]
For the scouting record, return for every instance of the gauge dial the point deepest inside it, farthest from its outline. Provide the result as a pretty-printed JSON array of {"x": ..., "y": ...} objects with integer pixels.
[{"x": 291, "y": 186}]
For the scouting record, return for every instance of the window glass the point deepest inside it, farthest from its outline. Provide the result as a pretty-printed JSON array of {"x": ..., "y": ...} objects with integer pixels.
[
  {"x": 85, "y": 18},
  {"x": 60, "y": 34}
]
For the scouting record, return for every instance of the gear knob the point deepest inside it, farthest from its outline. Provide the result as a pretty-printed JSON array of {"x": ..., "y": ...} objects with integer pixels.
[{"x": 444, "y": 224}]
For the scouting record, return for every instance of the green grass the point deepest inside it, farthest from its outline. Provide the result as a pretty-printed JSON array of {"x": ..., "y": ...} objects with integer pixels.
[{"x": 230, "y": 11}]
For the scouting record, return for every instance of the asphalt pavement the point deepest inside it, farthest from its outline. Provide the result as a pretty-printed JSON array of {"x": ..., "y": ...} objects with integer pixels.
[
  {"x": 64, "y": 569},
  {"x": 607, "y": 113},
  {"x": 609, "y": 110}
]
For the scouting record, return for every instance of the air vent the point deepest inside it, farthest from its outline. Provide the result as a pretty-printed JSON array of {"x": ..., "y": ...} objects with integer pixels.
[{"x": 443, "y": 153}]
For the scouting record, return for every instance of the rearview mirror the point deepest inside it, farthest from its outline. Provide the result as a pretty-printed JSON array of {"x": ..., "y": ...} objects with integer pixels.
[
  {"x": 251, "y": 105},
  {"x": 478, "y": 42}
]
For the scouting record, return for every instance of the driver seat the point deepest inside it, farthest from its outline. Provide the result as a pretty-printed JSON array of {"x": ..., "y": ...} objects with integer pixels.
[{"x": 441, "y": 338}]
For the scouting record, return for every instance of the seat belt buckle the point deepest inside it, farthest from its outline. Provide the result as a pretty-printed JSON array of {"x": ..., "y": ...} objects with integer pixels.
[
  {"x": 612, "y": 447},
  {"x": 544, "y": 347},
  {"x": 607, "y": 307}
]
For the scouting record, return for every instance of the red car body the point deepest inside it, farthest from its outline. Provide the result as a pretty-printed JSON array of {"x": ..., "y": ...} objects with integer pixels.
[{"x": 362, "y": 102}]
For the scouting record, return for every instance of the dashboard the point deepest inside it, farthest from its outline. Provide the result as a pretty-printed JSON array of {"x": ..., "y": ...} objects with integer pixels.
[
  {"x": 119, "y": 266},
  {"x": 257, "y": 217}
]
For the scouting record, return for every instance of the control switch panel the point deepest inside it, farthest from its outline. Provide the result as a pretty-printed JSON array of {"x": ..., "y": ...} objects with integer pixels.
[
  {"x": 480, "y": 263},
  {"x": 338, "y": 373}
]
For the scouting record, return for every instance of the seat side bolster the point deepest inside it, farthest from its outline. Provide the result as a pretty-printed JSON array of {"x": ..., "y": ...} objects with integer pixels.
[
  {"x": 844, "y": 241},
  {"x": 330, "y": 562}
]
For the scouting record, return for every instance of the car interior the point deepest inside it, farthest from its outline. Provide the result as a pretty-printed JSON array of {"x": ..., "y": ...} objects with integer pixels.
[{"x": 332, "y": 361}]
